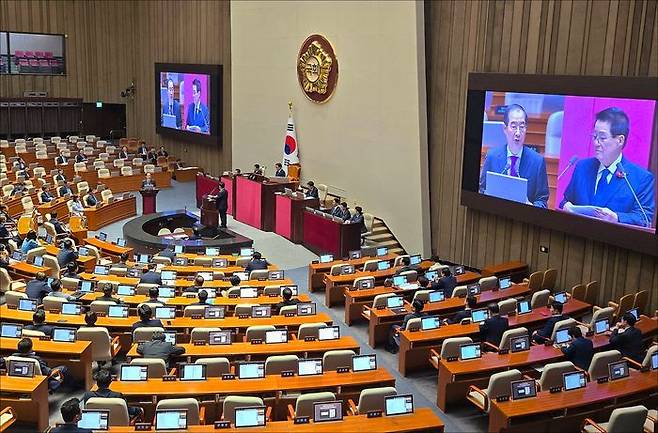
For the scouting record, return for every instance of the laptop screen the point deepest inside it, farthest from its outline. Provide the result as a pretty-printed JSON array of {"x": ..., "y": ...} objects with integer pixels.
[
  {"x": 382, "y": 251},
  {"x": 216, "y": 338},
  {"x": 261, "y": 311},
  {"x": 101, "y": 270},
  {"x": 117, "y": 311},
  {"x": 326, "y": 258},
  {"x": 347, "y": 269},
  {"x": 306, "y": 309},
  {"x": 561, "y": 297},
  {"x": 124, "y": 290},
  {"x": 276, "y": 336},
  {"x": 214, "y": 312},
  {"x": 71, "y": 308},
  {"x": 519, "y": 344},
  {"x": 134, "y": 373},
  {"x": 251, "y": 370},
  {"x": 505, "y": 282},
  {"x": 121, "y": 242},
  {"x": 523, "y": 307},
  {"x": 170, "y": 337},
  {"x": 180, "y": 261},
  {"x": 102, "y": 236},
  {"x": 635, "y": 312},
  {"x": 364, "y": 362},
  {"x": 574, "y": 380},
  {"x": 365, "y": 283},
  {"x": 143, "y": 258},
  {"x": 394, "y": 301},
  {"x": 66, "y": 335},
  {"x": 523, "y": 389},
  {"x": 469, "y": 351},
  {"x": 219, "y": 263},
  {"x": 275, "y": 275},
  {"x": 355, "y": 254},
  {"x": 248, "y": 292},
  {"x": 383, "y": 265},
  {"x": 245, "y": 252},
  {"x": 327, "y": 411},
  {"x": 212, "y": 251},
  {"x": 654, "y": 361},
  {"x": 134, "y": 272},
  {"x": 309, "y": 367},
  {"x": 27, "y": 304},
  {"x": 207, "y": 276},
  {"x": 458, "y": 270},
  {"x": 436, "y": 296},
  {"x": 601, "y": 326},
  {"x": 399, "y": 404},
  {"x": 38, "y": 261},
  {"x": 562, "y": 336},
  {"x": 193, "y": 372},
  {"x": 165, "y": 312},
  {"x": 11, "y": 330},
  {"x": 168, "y": 275},
  {"x": 480, "y": 315},
  {"x": 431, "y": 275},
  {"x": 171, "y": 420},
  {"x": 20, "y": 368},
  {"x": 618, "y": 370},
  {"x": 166, "y": 292},
  {"x": 83, "y": 251},
  {"x": 86, "y": 286},
  {"x": 249, "y": 417},
  {"x": 329, "y": 333},
  {"x": 415, "y": 259},
  {"x": 94, "y": 419},
  {"x": 428, "y": 323},
  {"x": 399, "y": 280},
  {"x": 473, "y": 289}
]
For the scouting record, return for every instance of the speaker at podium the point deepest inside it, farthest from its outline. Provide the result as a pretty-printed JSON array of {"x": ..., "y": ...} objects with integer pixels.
[
  {"x": 149, "y": 203},
  {"x": 209, "y": 212}
]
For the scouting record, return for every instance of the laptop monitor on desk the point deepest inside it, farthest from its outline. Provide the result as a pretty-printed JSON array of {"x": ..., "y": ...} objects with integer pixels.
[
  {"x": 166, "y": 419},
  {"x": 276, "y": 336},
  {"x": 20, "y": 368},
  {"x": 217, "y": 338},
  {"x": 133, "y": 373},
  {"x": 250, "y": 416},
  {"x": 469, "y": 351},
  {"x": 519, "y": 344},
  {"x": 436, "y": 296},
  {"x": 523, "y": 307},
  {"x": 309, "y": 367},
  {"x": 11, "y": 330},
  {"x": 399, "y": 404},
  {"x": 329, "y": 333},
  {"x": 480, "y": 315},
  {"x": 94, "y": 419},
  {"x": 251, "y": 370},
  {"x": 523, "y": 389},
  {"x": 618, "y": 370},
  {"x": 429, "y": 323},
  {"x": 574, "y": 380},
  {"x": 326, "y": 258},
  {"x": 192, "y": 371},
  {"x": 601, "y": 326},
  {"x": 364, "y": 362},
  {"x": 71, "y": 308},
  {"x": 165, "y": 312},
  {"x": 327, "y": 411},
  {"x": 64, "y": 335}
]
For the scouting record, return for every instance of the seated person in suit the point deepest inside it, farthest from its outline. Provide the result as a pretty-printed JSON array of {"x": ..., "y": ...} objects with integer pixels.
[
  {"x": 153, "y": 296},
  {"x": 257, "y": 262},
  {"x": 627, "y": 339},
  {"x": 66, "y": 254},
  {"x": 4, "y": 231},
  {"x": 312, "y": 191},
  {"x": 491, "y": 330},
  {"x": 19, "y": 164},
  {"x": 77, "y": 208},
  {"x": 286, "y": 294},
  {"x": 152, "y": 155},
  {"x": 71, "y": 414},
  {"x": 258, "y": 170},
  {"x": 470, "y": 303},
  {"x": 145, "y": 314},
  {"x": 71, "y": 270},
  {"x": 580, "y": 350},
  {"x": 198, "y": 116},
  {"x": 90, "y": 320},
  {"x": 279, "y": 171},
  {"x": 203, "y": 298},
  {"x": 142, "y": 150},
  {"x": 447, "y": 283},
  {"x": 59, "y": 228},
  {"x": 39, "y": 323},
  {"x": 90, "y": 199},
  {"x": 80, "y": 156},
  {"x": 345, "y": 212},
  {"x": 25, "y": 351},
  {"x": 103, "y": 379},
  {"x": 337, "y": 210},
  {"x": 38, "y": 287},
  {"x": 516, "y": 159},
  {"x": 30, "y": 242},
  {"x": 123, "y": 261},
  {"x": 151, "y": 277},
  {"x": 393, "y": 343},
  {"x": 123, "y": 153},
  {"x": 65, "y": 189},
  {"x": 159, "y": 348},
  {"x": 599, "y": 181},
  {"x": 108, "y": 289},
  {"x": 148, "y": 182},
  {"x": 61, "y": 159},
  {"x": 46, "y": 196},
  {"x": 19, "y": 189},
  {"x": 56, "y": 290},
  {"x": 545, "y": 333},
  {"x": 4, "y": 256},
  {"x": 198, "y": 284},
  {"x": 168, "y": 252},
  {"x": 163, "y": 152},
  {"x": 358, "y": 219},
  {"x": 235, "y": 282},
  {"x": 405, "y": 265},
  {"x": 59, "y": 176}
]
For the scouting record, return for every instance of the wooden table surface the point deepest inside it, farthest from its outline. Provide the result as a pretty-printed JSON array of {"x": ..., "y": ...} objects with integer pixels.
[{"x": 108, "y": 213}]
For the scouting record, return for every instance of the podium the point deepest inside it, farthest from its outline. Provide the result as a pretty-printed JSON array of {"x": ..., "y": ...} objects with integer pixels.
[
  {"x": 148, "y": 200},
  {"x": 325, "y": 235},
  {"x": 254, "y": 200},
  {"x": 209, "y": 212},
  {"x": 289, "y": 217}
]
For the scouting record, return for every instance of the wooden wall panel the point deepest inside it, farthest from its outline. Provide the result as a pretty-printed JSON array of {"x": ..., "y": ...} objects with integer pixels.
[{"x": 549, "y": 37}]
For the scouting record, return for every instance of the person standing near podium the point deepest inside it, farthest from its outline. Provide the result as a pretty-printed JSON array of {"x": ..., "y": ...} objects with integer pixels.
[
  {"x": 280, "y": 172},
  {"x": 222, "y": 204},
  {"x": 149, "y": 182}
]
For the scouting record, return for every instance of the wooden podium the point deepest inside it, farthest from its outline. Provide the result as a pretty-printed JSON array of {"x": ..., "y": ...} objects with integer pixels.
[
  {"x": 148, "y": 200},
  {"x": 209, "y": 212}
]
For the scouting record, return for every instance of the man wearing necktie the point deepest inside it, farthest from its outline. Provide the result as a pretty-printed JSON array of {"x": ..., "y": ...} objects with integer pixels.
[
  {"x": 198, "y": 119},
  {"x": 516, "y": 159},
  {"x": 599, "y": 181},
  {"x": 171, "y": 106}
]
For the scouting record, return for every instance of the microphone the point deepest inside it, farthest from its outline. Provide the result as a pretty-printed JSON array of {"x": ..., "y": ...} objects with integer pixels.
[
  {"x": 507, "y": 167},
  {"x": 572, "y": 161},
  {"x": 620, "y": 169}
]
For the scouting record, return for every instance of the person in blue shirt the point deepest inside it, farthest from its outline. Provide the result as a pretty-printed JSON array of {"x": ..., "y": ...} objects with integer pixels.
[
  {"x": 30, "y": 242},
  {"x": 198, "y": 119}
]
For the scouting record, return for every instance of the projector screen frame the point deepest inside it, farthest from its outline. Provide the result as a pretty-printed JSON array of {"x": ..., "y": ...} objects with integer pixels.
[{"x": 597, "y": 86}]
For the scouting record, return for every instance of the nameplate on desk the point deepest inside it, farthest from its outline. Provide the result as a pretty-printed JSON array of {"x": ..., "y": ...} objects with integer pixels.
[
  {"x": 199, "y": 342},
  {"x": 503, "y": 351},
  {"x": 309, "y": 338},
  {"x": 169, "y": 378},
  {"x": 287, "y": 373},
  {"x": 12, "y": 307},
  {"x": 555, "y": 389},
  {"x": 273, "y": 295},
  {"x": 502, "y": 398},
  {"x": 287, "y": 314},
  {"x": 222, "y": 424},
  {"x": 228, "y": 376},
  {"x": 451, "y": 358},
  {"x": 589, "y": 334},
  {"x": 548, "y": 343},
  {"x": 142, "y": 426},
  {"x": 44, "y": 338},
  {"x": 234, "y": 295},
  {"x": 381, "y": 307},
  {"x": 262, "y": 279},
  {"x": 343, "y": 370},
  {"x": 302, "y": 419},
  {"x": 54, "y": 311},
  {"x": 413, "y": 329},
  {"x": 511, "y": 313},
  {"x": 3, "y": 372},
  {"x": 190, "y": 295},
  {"x": 100, "y": 314},
  {"x": 257, "y": 341},
  {"x": 243, "y": 316},
  {"x": 196, "y": 317},
  {"x": 315, "y": 262},
  {"x": 374, "y": 414},
  {"x": 603, "y": 379}
]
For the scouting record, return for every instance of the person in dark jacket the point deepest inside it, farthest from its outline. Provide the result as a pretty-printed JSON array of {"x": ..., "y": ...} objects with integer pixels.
[
  {"x": 39, "y": 323},
  {"x": 103, "y": 380},
  {"x": 626, "y": 338},
  {"x": 358, "y": 219},
  {"x": 257, "y": 262},
  {"x": 59, "y": 228},
  {"x": 198, "y": 284},
  {"x": 312, "y": 191},
  {"x": 286, "y": 294},
  {"x": 203, "y": 298},
  {"x": 393, "y": 344},
  {"x": 71, "y": 414},
  {"x": 492, "y": 329},
  {"x": 405, "y": 265},
  {"x": 66, "y": 254},
  {"x": 471, "y": 302},
  {"x": 153, "y": 296},
  {"x": 45, "y": 195},
  {"x": 25, "y": 351},
  {"x": 151, "y": 277},
  {"x": 545, "y": 333},
  {"x": 38, "y": 287},
  {"x": 447, "y": 283},
  {"x": 159, "y": 348},
  {"x": 145, "y": 318},
  {"x": 580, "y": 350},
  {"x": 108, "y": 289}
]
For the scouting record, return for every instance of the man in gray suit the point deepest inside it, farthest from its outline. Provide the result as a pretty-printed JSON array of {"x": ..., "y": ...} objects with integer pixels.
[{"x": 159, "y": 348}]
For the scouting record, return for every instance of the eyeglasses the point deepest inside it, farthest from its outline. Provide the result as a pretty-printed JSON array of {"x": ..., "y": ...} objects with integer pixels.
[
  {"x": 521, "y": 127},
  {"x": 601, "y": 137}
]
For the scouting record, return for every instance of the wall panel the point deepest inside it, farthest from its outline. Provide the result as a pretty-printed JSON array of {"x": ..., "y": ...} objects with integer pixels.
[{"x": 553, "y": 37}]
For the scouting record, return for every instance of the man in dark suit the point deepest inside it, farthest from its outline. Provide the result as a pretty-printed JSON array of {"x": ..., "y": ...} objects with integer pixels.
[
  {"x": 38, "y": 287},
  {"x": 198, "y": 285},
  {"x": 142, "y": 150},
  {"x": 163, "y": 152},
  {"x": 39, "y": 323},
  {"x": 258, "y": 170},
  {"x": 447, "y": 283},
  {"x": 358, "y": 219},
  {"x": 222, "y": 204},
  {"x": 59, "y": 176},
  {"x": 286, "y": 294},
  {"x": 171, "y": 105},
  {"x": 159, "y": 348},
  {"x": 46, "y": 196},
  {"x": 626, "y": 338},
  {"x": 470, "y": 303},
  {"x": 145, "y": 314},
  {"x": 25, "y": 351},
  {"x": 337, "y": 210},
  {"x": 59, "y": 228},
  {"x": 202, "y": 295},
  {"x": 90, "y": 199},
  {"x": 198, "y": 117},
  {"x": 148, "y": 182},
  {"x": 600, "y": 182},
  {"x": 61, "y": 159},
  {"x": 71, "y": 414},
  {"x": 580, "y": 351},
  {"x": 19, "y": 189},
  {"x": 518, "y": 160},
  {"x": 393, "y": 344},
  {"x": 492, "y": 329},
  {"x": 103, "y": 380},
  {"x": 545, "y": 333},
  {"x": 65, "y": 190},
  {"x": 108, "y": 290},
  {"x": 312, "y": 190},
  {"x": 151, "y": 277},
  {"x": 257, "y": 262},
  {"x": 123, "y": 153},
  {"x": 80, "y": 156},
  {"x": 66, "y": 254},
  {"x": 279, "y": 171}
]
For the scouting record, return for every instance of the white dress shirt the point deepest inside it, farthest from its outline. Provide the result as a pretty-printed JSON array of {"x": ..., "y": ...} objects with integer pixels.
[{"x": 613, "y": 169}]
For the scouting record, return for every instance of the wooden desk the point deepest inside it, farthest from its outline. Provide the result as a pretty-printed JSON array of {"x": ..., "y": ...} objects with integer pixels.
[
  {"x": 380, "y": 321},
  {"x": 76, "y": 355},
  {"x": 289, "y": 221},
  {"x": 454, "y": 378},
  {"x": 323, "y": 235},
  {"x": 127, "y": 183},
  {"x": 517, "y": 269},
  {"x": 192, "y": 269},
  {"x": 109, "y": 213},
  {"x": 26, "y": 270},
  {"x": 32, "y": 410},
  {"x": 186, "y": 174},
  {"x": 317, "y": 271},
  {"x": 242, "y": 350},
  {"x": 86, "y": 262},
  {"x": 108, "y": 248},
  {"x": 422, "y": 420},
  {"x": 564, "y": 411},
  {"x": 189, "y": 283},
  {"x": 415, "y": 346},
  {"x": 230, "y": 258}
]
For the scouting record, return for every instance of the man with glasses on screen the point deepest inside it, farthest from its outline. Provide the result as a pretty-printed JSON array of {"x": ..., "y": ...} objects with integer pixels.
[
  {"x": 517, "y": 160},
  {"x": 198, "y": 119},
  {"x": 598, "y": 183},
  {"x": 171, "y": 106}
]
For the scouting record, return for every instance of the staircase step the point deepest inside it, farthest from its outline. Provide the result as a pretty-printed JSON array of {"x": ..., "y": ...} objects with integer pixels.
[
  {"x": 381, "y": 237},
  {"x": 392, "y": 243}
]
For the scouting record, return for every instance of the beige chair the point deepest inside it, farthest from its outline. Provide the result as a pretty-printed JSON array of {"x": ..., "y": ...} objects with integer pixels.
[
  {"x": 257, "y": 332},
  {"x": 363, "y": 282},
  {"x": 126, "y": 170},
  {"x": 240, "y": 309},
  {"x": 118, "y": 163},
  {"x": 37, "y": 366},
  {"x": 309, "y": 330},
  {"x": 288, "y": 309},
  {"x": 335, "y": 269},
  {"x": 145, "y": 333},
  {"x": 233, "y": 401},
  {"x": 535, "y": 281},
  {"x": 39, "y": 172},
  {"x": 371, "y": 399},
  {"x": 203, "y": 261},
  {"x": 646, "y": 362},
  {"x": 161, "y": 260},
  {"x": 422, "y": 296},
  {"x": 381, "y": 300},
  {"x": 540, "y": 299},
  {"x": 370, "y": 265},
  {"x": 70, "y": 283},
  {"x": 551, "y": 376},
  {"x": 215, "y": 367},
  {"x": 103, "y": 156},
  {"x": 592, "y": 292},
  {"x": 106, "y": 195},
  {"x": 32, "y": 333},
  {"x": 488, "y": 283},
  {"x": 272, "y": 291},
  {"x": 117, "y": 407},
  {"x": 195, "y": 415},
  {"x": 202, "y": 333},
  {"x": 499, "y": 384},
  {"x": 80, "y": 167},
  {"x": 599, "y": 314},
  {"x": 8, "y": 415},
  {"x": 259, "y": 274},
  {"x": 275, "y": 364},
  {"x": 305, "y": 402},
  {"x": 101, "y": 306},
  {"x": 460, "y": 292},
  {"x": 243, "y": 262},
  {"x": 12, "y": 297},
  {"x": 507, "y": 306},
  {"x": 194, "y": 310},
  {"x": 398, "y": 260},
  {"x": 6, "y": 283},
  {"x": 412, "y": 276},
  {"x": 549, "y": 279},
  {"x": 641, "y": 301},
  {"x": 103, "y": 348},
  {"x": 509, "y": 334},
  {"x": 563, "y": 324},
  {"x": 164, "y": 231},
  {"x": 622, "y": 420},
  {"x": 156, "y": 366},
  {"x": 599, "y": 366},
  {"x": 119, "y": 272},
  {"x": 624, "y": 304},
  {"x": 579, "y": 292},
  {"x": 51, "y": 263},
  {"x": 104, "y": 173},
  {"x": 149, "y": 168},
  {"x": 94, "y": 252},
  {"x": 143, "y": 289},
  {"x": 7, "y": 189},
  {"x": 333, "y": 359},
  {"x": 53, "y": 303},
  {"x": 28, "y": 205},
  {"x": 83, "y": 187},
  {"x": 413, "y": 324}
]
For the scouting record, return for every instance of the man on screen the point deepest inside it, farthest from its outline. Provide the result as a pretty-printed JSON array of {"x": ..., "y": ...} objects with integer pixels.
[
  {"x": 516, "y": 159},
  {"x": 171, "y": 106},
  {"x": 197, "y": 114},
  {"x": 599, "y": 182}
]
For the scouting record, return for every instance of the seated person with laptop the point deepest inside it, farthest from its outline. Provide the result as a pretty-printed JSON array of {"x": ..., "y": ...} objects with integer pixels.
[
  {"x": 71, "y": 414},
  {"x": 159, "y": 348},
  {"x": 103, "y": 380},
  {"x": 25, "y": 351},
  {"x": 39, "y": 323},
  {"x": 580, "y": 350},
  {"x": 626, "y": 338},
  {"x": 286, "y": 294},
  {"x": 492, "y": 329},
  {"x": 393, "y": 343},
  {"x": 545, "y": 333},
  {"x": 471, "y": 302},
  {"x": 145, "y": 318}
]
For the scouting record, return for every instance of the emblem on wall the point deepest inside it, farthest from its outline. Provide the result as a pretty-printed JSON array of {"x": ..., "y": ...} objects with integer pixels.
[{"x": 317, "y": 69}]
